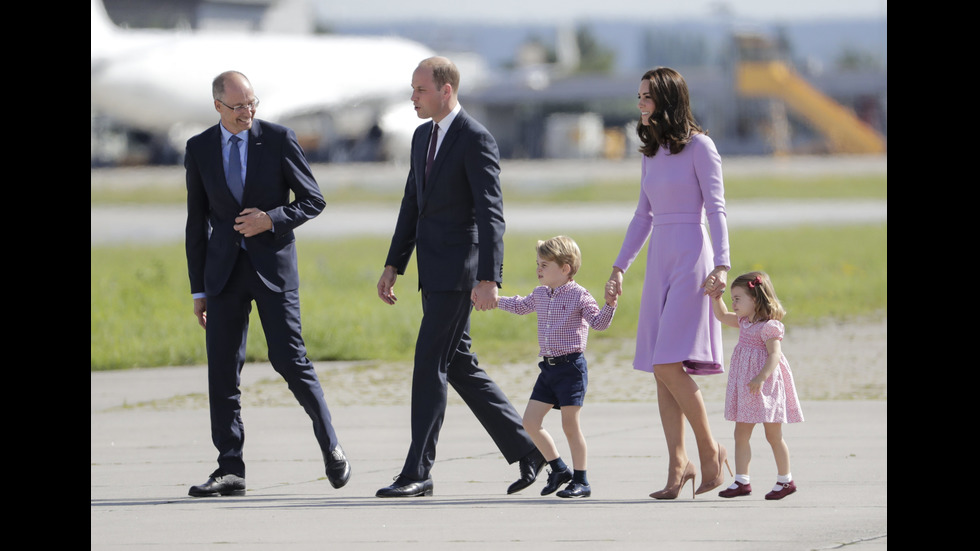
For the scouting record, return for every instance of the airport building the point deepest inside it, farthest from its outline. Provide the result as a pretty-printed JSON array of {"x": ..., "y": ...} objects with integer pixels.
[{"x": 540, "y": 100}]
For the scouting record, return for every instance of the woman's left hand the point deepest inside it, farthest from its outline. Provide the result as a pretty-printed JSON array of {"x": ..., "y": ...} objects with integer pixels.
[{"x": 716, "y": 281}]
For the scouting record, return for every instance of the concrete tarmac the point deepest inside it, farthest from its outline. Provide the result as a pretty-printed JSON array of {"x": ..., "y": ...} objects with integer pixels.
[{"x": 151, "y": 442}]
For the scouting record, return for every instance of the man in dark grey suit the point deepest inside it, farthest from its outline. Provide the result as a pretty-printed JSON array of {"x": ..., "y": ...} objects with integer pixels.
[
  {"x": 241, "y": 248},
  {"x": 452, "y": 217}
]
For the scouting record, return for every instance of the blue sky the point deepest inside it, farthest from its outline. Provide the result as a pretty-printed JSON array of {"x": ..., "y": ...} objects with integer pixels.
[{"x": 543, "y": 11}]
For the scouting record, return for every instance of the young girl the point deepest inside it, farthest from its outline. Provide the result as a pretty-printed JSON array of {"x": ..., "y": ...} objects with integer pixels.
[
  {"x": 760, "y": 383},
  {"x": 565, "y": 312}
]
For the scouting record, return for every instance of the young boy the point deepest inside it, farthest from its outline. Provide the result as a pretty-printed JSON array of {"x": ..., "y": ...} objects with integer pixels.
[{"x": 565, "y": 311}]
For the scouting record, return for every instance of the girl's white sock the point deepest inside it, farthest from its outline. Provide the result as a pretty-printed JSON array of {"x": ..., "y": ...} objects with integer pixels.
[
  {"x": 743, "y": 478},
  {"x": 782, "y": 479}
]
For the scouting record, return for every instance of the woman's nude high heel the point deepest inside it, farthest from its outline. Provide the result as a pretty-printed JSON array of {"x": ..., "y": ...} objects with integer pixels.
[
  {"x": 671, "y": 493},
  {"x": 708, "y": 485}
]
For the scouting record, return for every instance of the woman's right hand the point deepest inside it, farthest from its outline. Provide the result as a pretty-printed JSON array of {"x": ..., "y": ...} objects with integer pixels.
[{"x": 614, "y": 287}]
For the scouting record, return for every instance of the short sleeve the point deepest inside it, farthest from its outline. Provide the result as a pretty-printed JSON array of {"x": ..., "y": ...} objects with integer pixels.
[{"x": 773, "y": 329}]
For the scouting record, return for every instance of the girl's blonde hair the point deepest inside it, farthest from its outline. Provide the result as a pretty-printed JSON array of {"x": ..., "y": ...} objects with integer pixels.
[
  {"x": 563, "y": 250},
  {"x": 759, "y": 287}
]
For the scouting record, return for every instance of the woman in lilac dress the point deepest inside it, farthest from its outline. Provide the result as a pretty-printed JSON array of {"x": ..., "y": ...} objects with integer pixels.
[{"x": 677, "y": 334}]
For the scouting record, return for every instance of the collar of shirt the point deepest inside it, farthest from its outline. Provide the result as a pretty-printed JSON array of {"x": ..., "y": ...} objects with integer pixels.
[
  {"x": 225, "y": 144},
  {"x": 226, "y": 147},
  {"x": 225, "y": 134},
  {"x": 444, "y": 125},
  {"x": 561, "y": 288}
]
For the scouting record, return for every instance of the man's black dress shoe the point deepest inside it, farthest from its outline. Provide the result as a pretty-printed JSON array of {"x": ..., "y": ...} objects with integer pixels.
[
  {"x": 555, "y": 480},
  {"x": 338, "y": 468},
  {"x": 531, "y": 464},
  {"x": 576, "y": 489},
  {"x": 219, "y": 484},
  {"x": 403, "y": 487}
]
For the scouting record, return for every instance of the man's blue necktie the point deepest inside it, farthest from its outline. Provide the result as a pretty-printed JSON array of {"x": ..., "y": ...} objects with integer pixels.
[{"x": 234, "y": 176}]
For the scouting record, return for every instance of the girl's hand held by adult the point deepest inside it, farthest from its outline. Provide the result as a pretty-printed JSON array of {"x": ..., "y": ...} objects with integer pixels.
[{"x": 716, "y": 281}]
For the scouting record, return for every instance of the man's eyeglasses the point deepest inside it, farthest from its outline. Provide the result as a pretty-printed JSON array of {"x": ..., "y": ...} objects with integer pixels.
[{"x": 241, "y": 108}]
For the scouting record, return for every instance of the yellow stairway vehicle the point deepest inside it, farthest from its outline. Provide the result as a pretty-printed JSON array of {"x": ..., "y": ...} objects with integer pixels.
[{"x": 844, "y": 131}]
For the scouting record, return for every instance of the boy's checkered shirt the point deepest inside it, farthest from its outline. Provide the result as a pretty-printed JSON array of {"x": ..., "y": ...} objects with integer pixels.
[{"x": 564, "y": 316}]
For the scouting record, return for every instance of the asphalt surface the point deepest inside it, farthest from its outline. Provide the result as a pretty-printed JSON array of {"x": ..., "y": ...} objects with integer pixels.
[
  {"x": 149, "y": 446},
  {"x": 150, "y": 442}
]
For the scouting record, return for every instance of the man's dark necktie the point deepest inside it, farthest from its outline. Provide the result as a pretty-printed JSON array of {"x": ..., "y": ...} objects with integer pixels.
[
  {"x": 432, "y": 151},
  {"x": 234, "y": 176}
]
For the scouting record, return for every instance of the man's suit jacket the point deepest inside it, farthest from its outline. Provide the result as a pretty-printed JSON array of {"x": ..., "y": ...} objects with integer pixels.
[
  {"x": 455, "y": 221},
  {"x": 276, "y": 166}
]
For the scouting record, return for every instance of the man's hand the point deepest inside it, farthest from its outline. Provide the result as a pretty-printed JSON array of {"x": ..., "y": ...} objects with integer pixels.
[
  {"x": 252, "y": 221},
  {"x": 484, "y": 295},
  {"x": 386, "y": 285},
  {"x": 201, "y": 311}
]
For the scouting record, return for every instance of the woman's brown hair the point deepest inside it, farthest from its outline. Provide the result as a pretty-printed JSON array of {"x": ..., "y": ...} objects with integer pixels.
[{"x": 671, "y": 124}]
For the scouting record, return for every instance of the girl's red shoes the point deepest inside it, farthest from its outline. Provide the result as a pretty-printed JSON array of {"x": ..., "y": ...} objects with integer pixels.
[
  {"x": 787, "y": 489},
  {"x": 740, "y": 490}
]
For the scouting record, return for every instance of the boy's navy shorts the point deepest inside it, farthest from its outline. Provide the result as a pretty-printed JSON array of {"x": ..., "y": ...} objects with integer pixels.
[{"x": 564, "y": 383}]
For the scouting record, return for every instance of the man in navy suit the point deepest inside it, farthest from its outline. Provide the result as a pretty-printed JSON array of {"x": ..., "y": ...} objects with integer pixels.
[
  {"x": 241, "y": 248},
  {"x": 452, "y": 218}
]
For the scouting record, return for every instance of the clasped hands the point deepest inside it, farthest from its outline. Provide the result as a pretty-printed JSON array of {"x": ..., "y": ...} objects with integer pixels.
[
  {"x": 252, "y": 221},
  {"x": 484, "y": 295},
  {"x": 614, "y": 287},
  {"x": 713, "y": 285}
]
